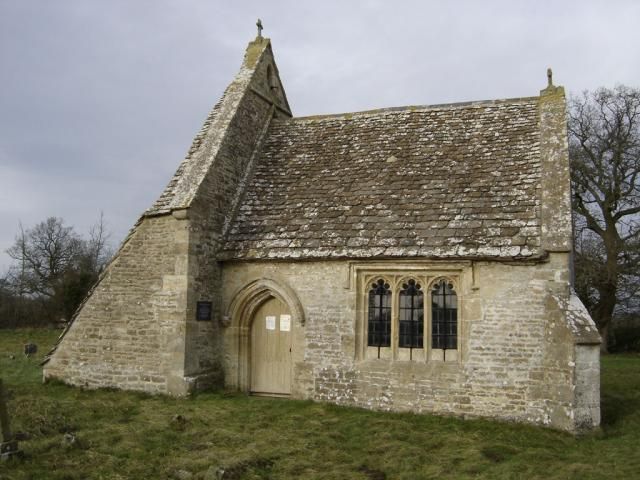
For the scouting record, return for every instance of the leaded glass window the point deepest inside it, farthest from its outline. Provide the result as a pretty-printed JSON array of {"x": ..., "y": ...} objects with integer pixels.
[
  {"x": 411, "y": 315},
  {"x": 444, "y": 316},
  {"x": 379, "y": 325}
]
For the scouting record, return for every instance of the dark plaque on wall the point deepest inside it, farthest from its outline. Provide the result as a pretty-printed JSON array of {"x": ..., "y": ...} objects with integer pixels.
[{"x": 203, "y": 311}]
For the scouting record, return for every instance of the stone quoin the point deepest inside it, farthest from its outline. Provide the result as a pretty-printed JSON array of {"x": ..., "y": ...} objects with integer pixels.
[{"x": 403, "y": 259}]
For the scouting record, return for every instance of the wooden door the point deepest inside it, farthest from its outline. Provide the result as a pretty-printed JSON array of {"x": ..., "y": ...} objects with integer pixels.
[{"x": 271, "y": 349}]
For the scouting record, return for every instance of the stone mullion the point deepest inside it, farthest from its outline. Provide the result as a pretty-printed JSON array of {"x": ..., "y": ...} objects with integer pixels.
[{"x": 395, "y": 327}]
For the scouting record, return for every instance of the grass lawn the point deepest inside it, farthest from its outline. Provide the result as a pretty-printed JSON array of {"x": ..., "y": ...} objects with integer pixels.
[{"x": 121, "y": 435}]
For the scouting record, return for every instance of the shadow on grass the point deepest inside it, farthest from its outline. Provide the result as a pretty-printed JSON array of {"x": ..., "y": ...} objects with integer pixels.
[
  {"x": 372, "y": 473},
  {"x": 498, "y": 453},
  {"x": 616, "y": 408}
]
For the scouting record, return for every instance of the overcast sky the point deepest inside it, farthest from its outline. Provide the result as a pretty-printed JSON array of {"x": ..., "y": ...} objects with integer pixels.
[{"x": 99, "y": 99}]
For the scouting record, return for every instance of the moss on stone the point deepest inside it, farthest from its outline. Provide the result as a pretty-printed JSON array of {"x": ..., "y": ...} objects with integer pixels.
[
  {"x": 552, "y": 90},
  {"x": 254, "y": 50}
]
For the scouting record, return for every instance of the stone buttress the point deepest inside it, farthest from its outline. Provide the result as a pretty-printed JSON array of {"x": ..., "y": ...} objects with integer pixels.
[{"x": 571, "y": 336}]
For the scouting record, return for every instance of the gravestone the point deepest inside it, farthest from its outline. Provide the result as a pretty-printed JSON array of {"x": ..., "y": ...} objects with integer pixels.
[{"x": 30, "y": 349}]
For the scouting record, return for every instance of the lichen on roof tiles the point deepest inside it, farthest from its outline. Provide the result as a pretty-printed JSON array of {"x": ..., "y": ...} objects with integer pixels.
[
  {"x": 442, "y": 181},
  {"x": 182, "y": 188}
]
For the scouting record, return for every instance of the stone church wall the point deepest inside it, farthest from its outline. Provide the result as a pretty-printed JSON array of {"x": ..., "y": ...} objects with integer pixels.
[
  {"x": 130, "y": 331},
  {"x": 518, "y": 356}
]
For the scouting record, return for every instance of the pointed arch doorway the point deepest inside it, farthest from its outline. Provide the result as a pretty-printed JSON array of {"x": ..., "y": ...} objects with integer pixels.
[
  {"x": 271, "y": 346},
  {"x": 262, "y": 360}
]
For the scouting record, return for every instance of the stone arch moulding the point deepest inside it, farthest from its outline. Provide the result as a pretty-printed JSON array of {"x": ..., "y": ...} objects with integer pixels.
[
  {"x": 240, "y": 313},
  {"x": 449, "y": 279},
  {"x": 245, "y": 302}
]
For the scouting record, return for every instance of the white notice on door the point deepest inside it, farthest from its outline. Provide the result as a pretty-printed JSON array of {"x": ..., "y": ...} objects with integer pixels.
[
  {"x": 285, "y": 323},
  {"x": 271, "y": 322}
]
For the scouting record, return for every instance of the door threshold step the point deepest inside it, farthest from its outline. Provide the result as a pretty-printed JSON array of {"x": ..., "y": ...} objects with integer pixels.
[{"x": 270, "y": 394}]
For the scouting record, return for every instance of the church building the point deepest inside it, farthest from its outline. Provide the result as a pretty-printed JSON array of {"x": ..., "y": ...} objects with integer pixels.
[{"x": 403, "y": 259}]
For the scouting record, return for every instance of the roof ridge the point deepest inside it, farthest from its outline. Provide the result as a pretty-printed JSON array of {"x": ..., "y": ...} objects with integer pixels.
[{"x": 418, "y": 108}]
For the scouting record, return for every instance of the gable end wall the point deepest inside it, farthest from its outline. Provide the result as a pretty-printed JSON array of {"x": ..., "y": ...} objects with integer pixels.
[
  {"x": 137, "y": 329},
  {"x": 218, "y": 197}
]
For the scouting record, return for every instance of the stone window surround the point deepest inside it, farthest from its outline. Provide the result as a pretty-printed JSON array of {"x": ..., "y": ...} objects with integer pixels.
[{"x": 458, "y": 273}]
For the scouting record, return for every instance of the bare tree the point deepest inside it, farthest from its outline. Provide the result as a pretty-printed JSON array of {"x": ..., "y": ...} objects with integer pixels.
[
  {"x": 44, "y": 253},
  {"x": 97, "y": 245},
  {"x": 604, "y": 147},
  {"x": 54, "y": 268}
]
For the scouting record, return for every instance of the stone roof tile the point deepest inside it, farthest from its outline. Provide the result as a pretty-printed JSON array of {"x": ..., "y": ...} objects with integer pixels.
[{"x": 442, "y": 181}]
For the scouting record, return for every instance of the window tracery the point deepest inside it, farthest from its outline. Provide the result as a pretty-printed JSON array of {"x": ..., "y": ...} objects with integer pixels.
[
  {"x": 379, "y": 321},
  {"x": 408, "y": 322},
  {"x": 411, "y": 315},
  {"x": 444, "y": 316}
]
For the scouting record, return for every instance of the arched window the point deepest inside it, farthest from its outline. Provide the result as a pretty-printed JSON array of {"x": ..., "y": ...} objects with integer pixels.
[
  {"x": 411, "y": 315},
  {"x": 379, "y": 324},
  {"x": 444, "y": 316}
]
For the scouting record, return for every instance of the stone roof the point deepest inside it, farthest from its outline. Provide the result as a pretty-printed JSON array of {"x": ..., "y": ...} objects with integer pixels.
[
  {"x": 183, "y": 186},
  {"x": 458, "y": 180},
  {"x": 178, "y": 187}
]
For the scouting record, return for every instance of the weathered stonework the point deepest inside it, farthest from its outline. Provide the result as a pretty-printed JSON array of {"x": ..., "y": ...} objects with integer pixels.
[
  {"x": 310, "y": 211},
  {"x": 130, "y": 333},
  {"x": 520, "y": 357}
]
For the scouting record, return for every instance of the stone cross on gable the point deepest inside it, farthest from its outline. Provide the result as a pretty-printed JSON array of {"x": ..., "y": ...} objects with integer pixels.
[{"x": 259, "y": 25}]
